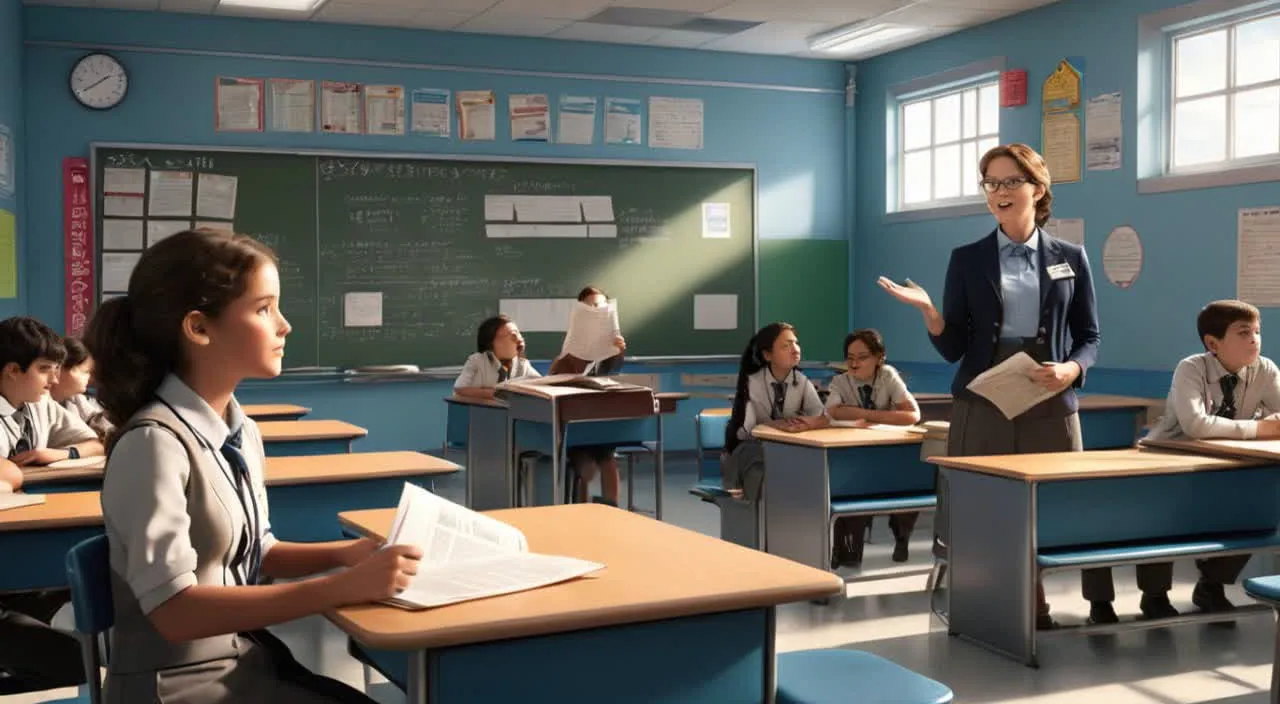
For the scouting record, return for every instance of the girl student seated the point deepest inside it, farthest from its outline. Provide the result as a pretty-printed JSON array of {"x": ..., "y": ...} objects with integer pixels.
[
  {"x": 870, "y": 392},
  {"x": 183, "y": 498},
  {"x": 499, "y": 357},
  {"x": 770, "y": 391},
  {"x": 70, "y": 390}
]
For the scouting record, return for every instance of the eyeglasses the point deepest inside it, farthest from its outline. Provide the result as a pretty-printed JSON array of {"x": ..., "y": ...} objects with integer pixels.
[{"x": 991, "y": 185}]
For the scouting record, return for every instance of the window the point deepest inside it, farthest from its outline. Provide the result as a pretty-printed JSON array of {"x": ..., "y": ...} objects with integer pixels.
[
  {"x": 1225, "y": 90},
  {"x": 940, "y": 139}
]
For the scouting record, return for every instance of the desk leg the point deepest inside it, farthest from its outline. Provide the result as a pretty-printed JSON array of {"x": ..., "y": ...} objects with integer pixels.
[
  {"x": 489, "y": 480},
  {"x": 659, "y": 472},
  {"x": 992, "y": 564},
  {"x": 797, "y": 504},
  {"x": 513, "y": 462},
  {"x": 417, "y": 691}
]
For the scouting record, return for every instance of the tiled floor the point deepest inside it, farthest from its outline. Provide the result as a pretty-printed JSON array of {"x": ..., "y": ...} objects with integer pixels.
[{"x": 1179, "y": 665}]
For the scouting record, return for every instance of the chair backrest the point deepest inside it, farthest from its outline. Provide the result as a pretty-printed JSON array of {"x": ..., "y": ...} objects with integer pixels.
[{"x": 89, "y": 576}]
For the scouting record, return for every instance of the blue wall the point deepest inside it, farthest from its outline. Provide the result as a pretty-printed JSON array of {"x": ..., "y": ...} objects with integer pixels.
[
  {"x": 796, "y": 139},
  {"x": 11, "y": 117},
  {"x": 1188, "y": 237}
]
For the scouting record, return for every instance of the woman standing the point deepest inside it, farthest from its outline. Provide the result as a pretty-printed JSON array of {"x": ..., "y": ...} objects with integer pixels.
[{"x": 1016, "y": 290}]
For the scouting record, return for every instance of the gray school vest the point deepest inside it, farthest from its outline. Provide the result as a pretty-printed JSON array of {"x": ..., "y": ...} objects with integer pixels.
[{"x": 136, "y": 646}]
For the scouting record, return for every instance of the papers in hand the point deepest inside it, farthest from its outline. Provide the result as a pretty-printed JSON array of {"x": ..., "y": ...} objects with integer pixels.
[
  {"x": 592, "y": 332},
  {"x": 1010, "y": 387},
  {"x": 466, "y": 555}
]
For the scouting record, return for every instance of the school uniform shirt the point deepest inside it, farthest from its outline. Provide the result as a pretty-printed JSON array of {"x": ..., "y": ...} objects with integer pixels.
[
  {"x": 888, "y": 390},
  {"x": 87, "y": 409},
  {"x": 144, "y": 502},
  {"x": 482, "y": 370},
  {"x": 799, "y": 398},
  {"x": 1196, "y": 397},
  {"x": 51, "y": 426}
]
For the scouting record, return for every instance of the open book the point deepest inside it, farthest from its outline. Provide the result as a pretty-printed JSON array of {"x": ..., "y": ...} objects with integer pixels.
[
  {"x": 599, "y": 383},
  {"x": 466, "y": 555}
]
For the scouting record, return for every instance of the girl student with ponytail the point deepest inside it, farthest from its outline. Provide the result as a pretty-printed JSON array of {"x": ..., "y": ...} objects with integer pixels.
[
  {"x": 771, "y": 391},
  {"x": 183, "y": 499}
]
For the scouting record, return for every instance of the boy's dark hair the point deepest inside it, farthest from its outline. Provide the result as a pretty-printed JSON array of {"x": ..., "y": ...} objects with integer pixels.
[
  {"x": 23, "y": 340},
  {"x": 77, "y": 353},
  {"x": 869, "y": 337},
  {"x": 752, "y": 361},
  {"x": 1218, "y": 316},
  {"x": 588, "y": 292},
  {"x": 488, "y": 331}
]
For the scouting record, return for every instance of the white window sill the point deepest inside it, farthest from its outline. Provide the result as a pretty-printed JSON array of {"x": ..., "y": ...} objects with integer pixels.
[
  {"x": 941, "y": 212},
  {"x": 1210, "y": 179}
]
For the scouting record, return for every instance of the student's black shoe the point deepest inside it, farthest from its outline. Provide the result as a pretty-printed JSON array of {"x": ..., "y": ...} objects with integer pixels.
[
  {"x": 1101, "y": 613},
  {"x": 900, "y": 553},
  {"x": 1211, "y": 597},
  {"x": 1157, "y": 606}
]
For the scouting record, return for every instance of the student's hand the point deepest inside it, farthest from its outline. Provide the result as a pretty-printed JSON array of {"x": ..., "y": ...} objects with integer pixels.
[
  {"x": 356, "y": 551},
  {"x": 1056, "y": 376},
  {"x": 42, "y": 456},
  {"x": 911, "y": 294},
  {"x": 815, "y": 422},
  {"x": 620, "y": 342},
  {"x": 381, "y": 575}
]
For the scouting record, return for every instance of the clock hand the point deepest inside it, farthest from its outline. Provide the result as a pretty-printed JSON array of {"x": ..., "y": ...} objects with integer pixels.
[{"x": 99, "y": 82}]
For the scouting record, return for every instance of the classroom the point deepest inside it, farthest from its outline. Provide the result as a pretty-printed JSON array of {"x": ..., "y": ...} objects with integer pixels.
[{"x": 710, "y": 167}]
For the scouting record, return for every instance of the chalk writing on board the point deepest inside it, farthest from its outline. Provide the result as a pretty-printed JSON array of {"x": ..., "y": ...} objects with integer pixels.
[{"x": 333, "y": 169}]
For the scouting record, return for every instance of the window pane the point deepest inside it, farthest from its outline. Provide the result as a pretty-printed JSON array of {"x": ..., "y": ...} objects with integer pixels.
[
  {"x": 946, "y": 119},
  {"x": 969, "y": 113},
  {"x": 1257, "y": 122},
  {"x": 916, "y": 177},
  {"x": 969, "y": 175},
  {"x": 1200, "y": 64},
  {"x": 989, "y": 109},
  {"x": 917, "y": 125},
  {"x": 1200, "y": 131},
  {"x": 1258, "y": 51},
  {"x": 946, "y": 172},
  {"x": 984, "y": 146}
]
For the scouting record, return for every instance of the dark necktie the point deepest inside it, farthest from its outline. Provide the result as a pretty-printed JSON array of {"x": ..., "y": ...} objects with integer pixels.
[
  {"x": 864, "y": 397},
  {"x": 27, "y": 437},
  {"x": 1228, "y": 407},
  {"x": 249, "y": 550},
  {"x": 503, "y": 372},
  {"x": 779, "y": 400}
]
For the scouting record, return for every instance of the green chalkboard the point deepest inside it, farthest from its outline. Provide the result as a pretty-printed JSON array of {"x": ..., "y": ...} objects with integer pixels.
[{"x": 442, "y": 243}]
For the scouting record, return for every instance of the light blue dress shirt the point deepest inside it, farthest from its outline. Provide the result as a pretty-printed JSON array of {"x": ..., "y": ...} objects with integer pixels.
[{"x": 1020, "y": 285}]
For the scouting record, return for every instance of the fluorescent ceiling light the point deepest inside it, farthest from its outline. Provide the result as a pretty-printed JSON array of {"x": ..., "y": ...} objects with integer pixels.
[
  {"x": 860, "y": 37},
  {"x": 282, "y": 5}
]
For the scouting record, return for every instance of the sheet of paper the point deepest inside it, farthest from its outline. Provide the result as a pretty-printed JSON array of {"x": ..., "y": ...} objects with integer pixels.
[
  {"x": 1122, "y": 256},
  {"x": 577, "y": 124},
  {"x": 362, "y": 309},
  {"x": 170, "y": 194},
  {"x": 1062, "y": 146},
  {"x": 530, "y": 117},
  {"x": 1010, "y": 387},
  {"x": 489, "y": 577},
  {"x": 18, "y": 500},
  {"x": 561, "y": 231},
  {"x": 79, "y": 463},
  {"x": 622, "y": 121},
  {"x": 449, "y": 533},
  {"x": 8, "y": 255},
  {"x": 539, "y": 314},
  {"x": 123, "y": 206},
  {"x": 293, "y": 105},
  {"x": 715, "y": 311},
  {"x": 476, "y": 115},
  {"x": 1069, "y": 229},
  {"x": 715, "y": 221},
  {"x": 1258, "y": 256},
  {"x": 592, "y": 332},
  {"x": 675, "y": 123},
  {"x": 1103, "y": 129},
  {"x": 117, "y": 267},
  {"x": 597, "y": 208},
  {"x": 8, "y": 169},
  {"x": 431, "y": 112},
  {"x": 160, "y": 229},
  {"x": 548, "y": 209},
  {"x": 340, "y": 111},
  {"x": 499, "y": 208},
  {"x": 239, "y": 104},
  {"x": 124, "y": 182},
  {"x": 914, "y": 429},
  {"x": 216, "y": 196},
  {"x": 384, "y": 110},
  {"x": 121, "y": 234},
  {"x": 503, "y": 231},
  {"x": 602, "y": 232}
]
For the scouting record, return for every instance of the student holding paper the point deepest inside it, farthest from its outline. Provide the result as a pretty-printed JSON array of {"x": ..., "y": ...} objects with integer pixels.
[
  {"x": 1016, "y": 290},
  {"x": 499, "y": 357}
]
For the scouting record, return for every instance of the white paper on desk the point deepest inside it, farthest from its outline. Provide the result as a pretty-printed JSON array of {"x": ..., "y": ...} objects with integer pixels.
[
  {"x": 1010, "y": 387},
  {"x": 915, "y": 429},
  {"x": 469, "y": 556},
  {"x": 592, "y": 332},
  {"x": 78, "y": 463},
  {"x": 11, "y": 500}
]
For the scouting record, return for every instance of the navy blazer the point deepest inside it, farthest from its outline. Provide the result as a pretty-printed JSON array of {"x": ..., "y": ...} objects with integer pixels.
[{"x": 973, "y": 308}]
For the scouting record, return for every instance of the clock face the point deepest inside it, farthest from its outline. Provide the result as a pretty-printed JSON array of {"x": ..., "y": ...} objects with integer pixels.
[{"x": 99, "y": 81}]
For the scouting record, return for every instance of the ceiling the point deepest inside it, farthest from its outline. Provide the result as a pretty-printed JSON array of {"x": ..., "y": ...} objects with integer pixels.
[{"x": 778, "y": 27}]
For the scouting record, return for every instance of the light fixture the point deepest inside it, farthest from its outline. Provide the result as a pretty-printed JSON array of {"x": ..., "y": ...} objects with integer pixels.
[
  {"x": 279, "y": 5},
  {"x": 860, "y": 37}
]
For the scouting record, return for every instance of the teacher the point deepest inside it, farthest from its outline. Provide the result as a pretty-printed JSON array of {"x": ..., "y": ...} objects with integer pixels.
[{"x": 1016, "y": 290}]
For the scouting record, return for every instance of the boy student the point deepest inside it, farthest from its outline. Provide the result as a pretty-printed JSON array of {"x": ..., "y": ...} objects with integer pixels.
[{"x": 1228, "y": 391}]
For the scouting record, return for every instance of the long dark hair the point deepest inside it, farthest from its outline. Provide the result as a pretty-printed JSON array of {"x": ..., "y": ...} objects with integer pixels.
[
  {"x": 753, "y": 361},
  {"x": 489, "y": 330},
  {"x": 136, "y": 340}
]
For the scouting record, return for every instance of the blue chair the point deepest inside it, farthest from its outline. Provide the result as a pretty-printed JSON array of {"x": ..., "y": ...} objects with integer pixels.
[
  {"x": 1267, "y": 591},
  {"x": 852, "y": 676},
  {"x": 89, "y": 576}
]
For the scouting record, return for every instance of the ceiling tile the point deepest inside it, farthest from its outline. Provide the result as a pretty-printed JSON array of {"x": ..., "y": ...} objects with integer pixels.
[
  {"x": 554, "y": 9},
  {"x": 771, "y": 38},
  {"x": 932, "y": 15},
  {"x": 804, "y": 10},
  {"x": 385, "y": 15},
  {"x": 471, "y": 6},
  {"x": 259, "y": 12},
  {"x": 994, "y": 4},
  {"x": 685, "y": 5},
  {"x": 128, "y": 4},
  {"x": 592, "y": 32},
  {"x": 682, "y": 39},
  {"x": 196, "y": 6},
  {"x": 499, "y": 23},
  {"x": 439, "y": 19}
]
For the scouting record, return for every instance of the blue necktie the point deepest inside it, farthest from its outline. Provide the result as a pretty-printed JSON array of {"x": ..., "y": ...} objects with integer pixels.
[
  {"x": 27, "y": 441},
  {"x": 250, "y": 545},
  {"x": 1021, "y": 251}
]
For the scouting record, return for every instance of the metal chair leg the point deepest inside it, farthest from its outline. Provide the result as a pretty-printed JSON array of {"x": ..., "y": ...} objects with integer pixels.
[{"x": 631, "y": 482}]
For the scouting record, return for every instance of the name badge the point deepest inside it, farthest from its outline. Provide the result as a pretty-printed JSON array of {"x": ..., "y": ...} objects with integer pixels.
[{"x": 1061, "y": 271}]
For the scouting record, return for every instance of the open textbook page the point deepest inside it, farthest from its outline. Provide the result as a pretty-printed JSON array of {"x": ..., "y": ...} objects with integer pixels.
[
  {"x": 599, "y": 383},
  {"x": 1010, "y": 387},
  {"x": 466, "y": 555},
  {"x": 592, "y": 331},
  {"x": 878, "y": 426}
]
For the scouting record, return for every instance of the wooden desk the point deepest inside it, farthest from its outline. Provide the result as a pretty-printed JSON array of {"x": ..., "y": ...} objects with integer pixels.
[
  {"x": 668, "y": 600},
  {"x": 1107, "y": 421},
  {"x": 489, "y": 483},
  {"x": 62, "y": 477},
  {"x": 34, "y": 540},
  {"x": 308, "y": 437},
  {"x": 274, "y": 411},
  {"x": 817, "y": 467},
  {"x": 1013, "y": 517}
]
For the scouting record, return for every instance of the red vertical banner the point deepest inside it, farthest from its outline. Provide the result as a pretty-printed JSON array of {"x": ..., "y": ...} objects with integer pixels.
[
  {"x": 1013, "y": 88},
  {"x": 77, "y": 227}
]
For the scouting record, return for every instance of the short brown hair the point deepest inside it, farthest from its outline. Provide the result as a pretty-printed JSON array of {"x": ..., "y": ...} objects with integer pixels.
[
  {"x": 1032, "y": 166},
  {"x": 869, "y": 337},
  {"x": 1217, "y": 317}
]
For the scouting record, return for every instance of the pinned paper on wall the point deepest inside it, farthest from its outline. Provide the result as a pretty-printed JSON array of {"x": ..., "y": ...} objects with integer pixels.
[
  {"x": 121, "y": 234},
  {"x": 162, "y": 229},
  {"x": 597, "y": 208},
  {"x": 124, "y": 182},
  {"x": 715, "y": 311},
  {"x": 622, "y": 121},
  {"x": 675, "y": 123},
  {"x": 577, "y": 123},
  {"x": 1258, "y": 256},
  {"x": 216, "y": 196},
  {"x": 539, "y": 314},
  {"x": 1103, "y": 128},
  {"x": 122, "y": 206},
  {"x": 476, "y": 114},
  {"x": 715, "y": 221},
  {"x": 362, "y": 309},
  {"x": 553, "y": 209},
  {"x": 293, "y": 105},
  {"x": 170, "y": 193},
  {"x": 499, "y": 208},
  {"x": 1122, "y": 256},
  {"x": 384, "y": 110},
  {"x": 8, "y": 171},
  {"x": 431, "y": 110},
  {"x": 117, "y": 267},
  {"x": 602, "y": 232},
  {"x": 530, "y": 117},
  {"x": 340, "y": 109},
  {"x": 1067, "y": 229},
  {"x": 8, "y": 255},
  {"x": 239, "y": 104}
]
